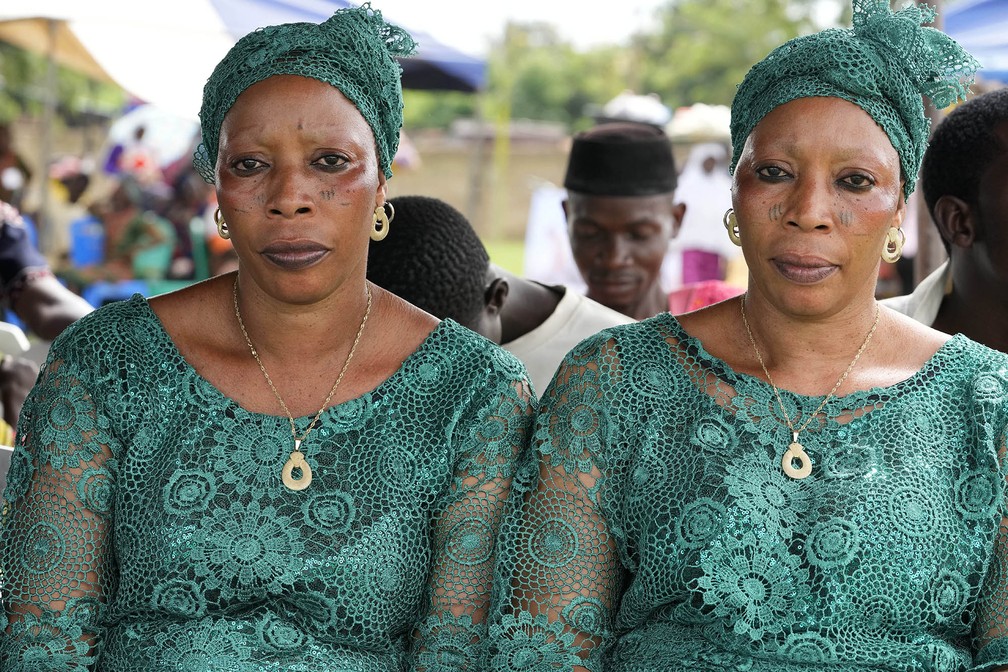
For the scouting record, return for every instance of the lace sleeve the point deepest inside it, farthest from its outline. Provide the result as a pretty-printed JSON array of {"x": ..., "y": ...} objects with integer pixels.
[
  {"x": 493, "y": 434},
  {"x": 990, "y": 622},
  {"x": 57, "y": 528},
  {"x": 990, "y": 628},
  {"x": 559, "y": 575}
]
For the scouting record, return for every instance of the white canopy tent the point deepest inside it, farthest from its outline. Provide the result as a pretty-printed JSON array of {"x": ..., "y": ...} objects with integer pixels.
[{"x": 160, "y": 52}]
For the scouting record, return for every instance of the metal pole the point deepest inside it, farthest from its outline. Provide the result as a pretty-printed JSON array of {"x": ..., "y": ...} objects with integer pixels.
[
  {"x": 45, "y": 144},
  {"x": 930, "y": 249}
]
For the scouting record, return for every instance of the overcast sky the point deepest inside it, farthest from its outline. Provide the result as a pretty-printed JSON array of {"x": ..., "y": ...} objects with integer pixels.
[{"x": 470, "y": 25}]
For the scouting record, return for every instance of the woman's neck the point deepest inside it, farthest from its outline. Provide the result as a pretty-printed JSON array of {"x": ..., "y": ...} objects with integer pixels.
[
  {"x": 299, "y": 333},
  {"x": 806, "y": 355}
]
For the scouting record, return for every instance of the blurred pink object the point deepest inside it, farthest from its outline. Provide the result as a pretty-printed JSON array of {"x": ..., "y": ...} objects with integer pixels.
[{"x": 701, "y": 294}]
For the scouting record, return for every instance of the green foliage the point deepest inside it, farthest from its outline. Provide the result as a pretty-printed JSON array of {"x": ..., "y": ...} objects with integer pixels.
[
  {"x": 534, "y": 74},
  {"x": 436, "y": 109},
  {"x": 695, "y": 51},
  {"x": 701, "y": 49},
  {"x": 78, "y": 98}
]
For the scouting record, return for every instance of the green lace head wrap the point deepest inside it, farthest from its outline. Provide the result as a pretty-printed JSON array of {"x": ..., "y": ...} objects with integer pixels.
[
  {"x": 883, "y": 65},
  {"x": 354, "y": 50}
]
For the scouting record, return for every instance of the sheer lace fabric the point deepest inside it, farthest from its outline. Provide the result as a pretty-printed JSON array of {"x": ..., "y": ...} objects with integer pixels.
[
  {"x": 657, "y": 530},
  {"x": 148, "y": 528}
]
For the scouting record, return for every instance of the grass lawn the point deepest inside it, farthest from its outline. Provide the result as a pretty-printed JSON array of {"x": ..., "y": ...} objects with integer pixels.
[{"x": 508, "y": 254}]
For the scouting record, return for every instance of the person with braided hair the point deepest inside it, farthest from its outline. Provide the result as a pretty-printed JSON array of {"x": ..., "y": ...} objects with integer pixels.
[
  {"x": 799, "y": 478},
  {"x": 283, "y": 468}
]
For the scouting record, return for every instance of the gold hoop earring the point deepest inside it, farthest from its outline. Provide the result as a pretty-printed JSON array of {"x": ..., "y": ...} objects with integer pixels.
[
  {"x": 731, "y": 224},
  {"x": 892, "y": 250},
  {"x": 222, "y": 227},
  {"x": 380, "y": 225}
]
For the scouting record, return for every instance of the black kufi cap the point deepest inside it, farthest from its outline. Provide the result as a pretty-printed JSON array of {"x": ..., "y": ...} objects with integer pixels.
[{"x": 621, "y": 159}]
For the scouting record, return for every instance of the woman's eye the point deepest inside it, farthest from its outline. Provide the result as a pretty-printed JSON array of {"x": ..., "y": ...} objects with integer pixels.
[
  {"x": 331, "y": 161},
  {"x": 858, "y": 181},
  {"x": 772, "y": 172},
  {"x": 246, "y": 165}
]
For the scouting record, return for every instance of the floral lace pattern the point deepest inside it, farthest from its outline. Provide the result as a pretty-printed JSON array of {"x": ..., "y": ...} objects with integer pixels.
[
  {"x": 148, "y": 528},
  {"x": 652, "y": 527}
]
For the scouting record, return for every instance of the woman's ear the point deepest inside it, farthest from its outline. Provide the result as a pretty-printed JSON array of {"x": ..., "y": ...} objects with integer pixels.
[
  {"x": 901, "y": 208},
  {"x": 381, "y": 194},
  {"x": 954, "y": 219}
]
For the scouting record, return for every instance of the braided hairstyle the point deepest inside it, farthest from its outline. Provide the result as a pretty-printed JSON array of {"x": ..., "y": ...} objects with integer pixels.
[{"x": 432, "y": 258}]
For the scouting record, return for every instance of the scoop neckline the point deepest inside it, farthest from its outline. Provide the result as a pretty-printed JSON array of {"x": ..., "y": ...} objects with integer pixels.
[
  {"x": 950, "y": 346},
  {"x": 435, "y": 333}
]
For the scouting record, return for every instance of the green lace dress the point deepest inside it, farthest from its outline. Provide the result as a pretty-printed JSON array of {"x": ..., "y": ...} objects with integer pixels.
[
  {"x": 148, "y": 528},
  {"x": 658, "y": 531}
]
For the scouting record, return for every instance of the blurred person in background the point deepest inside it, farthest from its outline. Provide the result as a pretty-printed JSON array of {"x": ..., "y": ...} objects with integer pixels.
[
  {"x": 964, "y": 178},
  {"x": 138, "y": 242},
  {"x": 14, "y": 171},
  {"x": 69, "y": 179},
  {"x": 704, "y": 186},
  {"x": 622, "y": 213},
  {"x": 434, "y": 259},
  {"x": 29, "y": 290}
]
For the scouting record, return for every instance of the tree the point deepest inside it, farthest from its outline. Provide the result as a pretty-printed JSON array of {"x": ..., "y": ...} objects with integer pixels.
[
  {"x": 22, "y": 81},
  {"x": 702, "y": 49},
  {"x": 696, "y": 51},
  {"x": 534, "y": 74}
]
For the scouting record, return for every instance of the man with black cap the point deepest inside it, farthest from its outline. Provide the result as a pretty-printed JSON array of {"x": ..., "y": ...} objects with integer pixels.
[{"x": 621, "y": 212}]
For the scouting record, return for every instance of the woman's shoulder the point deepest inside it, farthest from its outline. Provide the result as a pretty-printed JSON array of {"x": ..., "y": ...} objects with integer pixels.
[
  {"x": 472, "y": 351},
  {"x": 111, "y": 323},
  {"x": 975, "y": 361},
  {"x": 627, "y": 338},
  {"x": 925, "y": 348}
]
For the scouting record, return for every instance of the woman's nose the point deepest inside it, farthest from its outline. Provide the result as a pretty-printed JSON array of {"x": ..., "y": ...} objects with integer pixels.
[
  {"x": 288, "y": 195},
  {"x": 811, "y": 204}
]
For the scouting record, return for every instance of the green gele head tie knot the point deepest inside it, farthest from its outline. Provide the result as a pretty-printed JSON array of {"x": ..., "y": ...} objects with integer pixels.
[
  {"x": 354, "y": 50},
  {"x": 883, "y": 64}
]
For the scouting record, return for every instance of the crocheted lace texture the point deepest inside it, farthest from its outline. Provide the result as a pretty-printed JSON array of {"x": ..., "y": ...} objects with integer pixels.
[
  {"x": 354, "y": 50},
  {"x": 658, "y": 532},
  {"x": 148, "y": 528},
  {"x": 883, "y": 64}
]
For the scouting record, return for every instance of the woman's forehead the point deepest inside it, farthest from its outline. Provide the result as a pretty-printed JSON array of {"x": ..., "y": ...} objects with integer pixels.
[{"x": 822, "y": 125}]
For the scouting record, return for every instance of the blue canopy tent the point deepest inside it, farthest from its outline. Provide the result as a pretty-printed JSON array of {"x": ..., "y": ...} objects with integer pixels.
[
  {"x": 981, "y": 26},
  {"x": 435, "y": 66}
]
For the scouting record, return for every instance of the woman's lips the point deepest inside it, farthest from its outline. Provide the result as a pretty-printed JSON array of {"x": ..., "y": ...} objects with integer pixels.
[
  {"x": 294, "y": 256},
  {"x": 804, "y": 270}
]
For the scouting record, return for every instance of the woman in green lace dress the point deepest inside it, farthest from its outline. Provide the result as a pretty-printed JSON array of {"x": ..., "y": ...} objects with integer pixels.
[
  {"x": 796, "y": 479},
  {"x": 286, "y": 468}
]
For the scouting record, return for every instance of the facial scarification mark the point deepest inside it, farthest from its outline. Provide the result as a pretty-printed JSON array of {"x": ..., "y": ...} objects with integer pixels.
[
  {"x": 846, "y": 218},
  {"x": 776, "y": 212},
  {"x": 328, "y": 194}
]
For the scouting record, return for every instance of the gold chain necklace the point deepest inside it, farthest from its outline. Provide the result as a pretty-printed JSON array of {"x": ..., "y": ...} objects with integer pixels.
[
  {"x": 296, "y": 459},
  {"x": 796, "y": 451}
]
